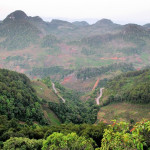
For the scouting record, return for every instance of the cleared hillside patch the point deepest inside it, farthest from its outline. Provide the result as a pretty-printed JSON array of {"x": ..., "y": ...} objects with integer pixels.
[
  {"x": 124, "y": 112},
  {"x": 44, "y": 92},
  {"x": 49, "y": 96}
]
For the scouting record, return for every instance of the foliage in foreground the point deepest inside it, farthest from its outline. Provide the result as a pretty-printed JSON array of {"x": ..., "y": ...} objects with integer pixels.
[
  {"x": 13, "y": 128},
  {"x": 22, "y": 143},
  {"x": 118, "y": 136},
  {"x": 72, "y": 141},
  {"x": 121, "y": 136}
]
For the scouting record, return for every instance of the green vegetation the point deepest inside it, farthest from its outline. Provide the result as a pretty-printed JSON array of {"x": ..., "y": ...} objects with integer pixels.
[
  {"x": 17, "y": 135},
  {"x": 124, "y": 136},
  {"x": 32, "y": 113},
  {"x": 55, "y": 50},
  {"x": 22, "y": 143},
  {"x": 19, "y": 34},
  {"x": 49, "y": 41},
  {"x": 121, "y": 136},
  {"x": 131, "y": 87},
  {"x": 53, "y": 118},
  {"x": 14, "y": 58},
  {"x": 124, "y": 111},
  {"x": 87, "y": 52},
  {"x": 58, "y": 141},
  {"x": 45, "y": 93},
  {"x": 45, "y": 72},
  {"x": 93, "y": 72},
  {"x": 145, "y": 57},
  {"x": 74, "y": 110},
  {"x": 130, "y": 33},
  {"x": 18, "y": 98},
  {"x": 96, "y": 40}
]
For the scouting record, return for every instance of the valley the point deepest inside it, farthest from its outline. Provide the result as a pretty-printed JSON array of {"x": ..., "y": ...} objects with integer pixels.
[
  {"x": 73, "y": 85},
  {"x": 84, "y": 63}
]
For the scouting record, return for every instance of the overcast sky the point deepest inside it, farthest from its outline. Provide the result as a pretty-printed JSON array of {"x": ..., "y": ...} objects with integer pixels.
[{"x": 119, "y": 11}]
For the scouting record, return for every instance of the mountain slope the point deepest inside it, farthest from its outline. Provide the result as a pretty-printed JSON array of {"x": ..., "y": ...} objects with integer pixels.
[
  {"x": 131, "y": 87},
  {"x": 123, "y": 111},
  {"x": 126, "y": 97},
  {"x": 17, "y": 31},
  {"x": 18, "y": 98}
]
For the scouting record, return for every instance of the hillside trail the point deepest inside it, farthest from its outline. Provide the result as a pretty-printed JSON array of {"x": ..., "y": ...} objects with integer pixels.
[
  {"x": 56, "y": 92},
  {"x": 100, "y": 95}
]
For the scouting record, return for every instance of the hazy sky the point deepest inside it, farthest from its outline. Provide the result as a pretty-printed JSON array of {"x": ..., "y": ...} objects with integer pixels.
[{"x": 119, "y": 11}]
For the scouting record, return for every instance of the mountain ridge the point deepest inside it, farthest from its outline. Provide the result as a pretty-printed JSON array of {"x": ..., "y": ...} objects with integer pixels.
[{"x": 19, "y": 14}]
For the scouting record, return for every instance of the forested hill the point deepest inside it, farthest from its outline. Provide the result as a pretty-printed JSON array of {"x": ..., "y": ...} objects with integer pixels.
[
  {"x": 17, "y": 31},
  {"x": 131, "y": 87},
  {"x": 18, "y": 98}
]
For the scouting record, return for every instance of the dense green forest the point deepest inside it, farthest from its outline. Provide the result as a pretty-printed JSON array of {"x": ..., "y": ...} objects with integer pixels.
[
  {"x": 93, "y": 72},
  {"x": 18, "y": 98},
  {"x": 45, "y": 72},
  {"x": 131, "y": 87}
]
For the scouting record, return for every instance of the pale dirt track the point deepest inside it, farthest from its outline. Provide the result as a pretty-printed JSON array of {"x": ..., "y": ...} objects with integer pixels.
[
  {"x": 56, "y": 92},
  {"x": 100, "y": 95}
]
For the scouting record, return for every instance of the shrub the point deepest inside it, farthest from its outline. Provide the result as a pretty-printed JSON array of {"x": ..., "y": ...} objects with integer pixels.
[
  {"x": 22, "y": 144},
  {"x": 58, "y": 141}
]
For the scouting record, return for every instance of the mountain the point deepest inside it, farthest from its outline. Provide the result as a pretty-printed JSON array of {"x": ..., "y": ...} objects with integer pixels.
[
  {"x": 147, "y": 25},
  {"x": 60, "y": 24},
  {"x": 80, "y": 23},
  {"x": 17, "y": 15},
  {"x": 135, "y": 29},
  {"x": 103, "y": 22},
  {"x": 106, "y": 24},
  {"x": 18, "y": 32},
  {"x": 36, "y": 19}
]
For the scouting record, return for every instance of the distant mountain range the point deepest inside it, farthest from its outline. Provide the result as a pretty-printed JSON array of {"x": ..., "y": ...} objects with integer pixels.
[
  {"x": 21, "y": 16},
  {"x": 40, "y": 44}
]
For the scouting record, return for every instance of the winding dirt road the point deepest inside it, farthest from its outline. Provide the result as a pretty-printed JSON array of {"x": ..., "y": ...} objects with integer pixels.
[
  {"x": 100, "y": 95},
  {"x": 53, "y": 86},
  {"x": 56, "y": 92}
]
